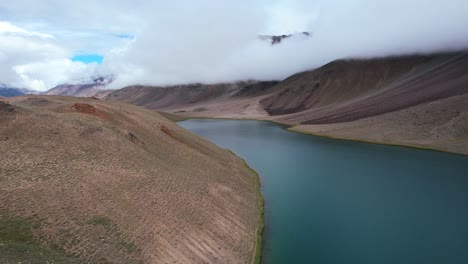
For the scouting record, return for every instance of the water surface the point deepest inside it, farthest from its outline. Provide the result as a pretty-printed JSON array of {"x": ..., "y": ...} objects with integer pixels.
[{"x": 330, "y": 201}]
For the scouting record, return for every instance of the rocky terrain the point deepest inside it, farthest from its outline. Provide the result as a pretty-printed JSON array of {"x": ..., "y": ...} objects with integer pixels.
[
  {"x": 96, "y": 88},
  {"x": 89, "y": 181},
  {"x": 409, "y": 97},
  {"x": 278, "y": 39}
]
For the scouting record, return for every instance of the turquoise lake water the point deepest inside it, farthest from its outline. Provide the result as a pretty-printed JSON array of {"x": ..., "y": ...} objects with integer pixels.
[{"x": 330, "y": 201}]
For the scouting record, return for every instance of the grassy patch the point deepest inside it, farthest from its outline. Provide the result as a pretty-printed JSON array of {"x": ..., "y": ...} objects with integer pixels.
[
  {"x": 17, "y": 244},
  {"x": 261, "y": 207},
  {"x": 16, "y": 229},
  {"x": 121, "y": 239},
  {"x": 173, "y": 117},
  {"x": 124, "y": 243},
  {"x": 102, "y": 221},
  {"x": 261, "y": 223}
]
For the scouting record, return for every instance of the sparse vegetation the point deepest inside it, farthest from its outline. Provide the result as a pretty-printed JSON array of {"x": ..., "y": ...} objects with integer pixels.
[
  {"x": 261, "y": 221},
  {"x": 101, "y": 220},
  {"x": 112, "y": 230},
  {"x": 120, "y": 185},
  {"x": 18, "y": 245}
]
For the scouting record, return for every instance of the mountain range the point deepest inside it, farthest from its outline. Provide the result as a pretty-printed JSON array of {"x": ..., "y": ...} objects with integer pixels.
[
  {"x": 95, "y": 88},
  {"x": 6, "y": 91},
  {"x": 417, "y": 100}
]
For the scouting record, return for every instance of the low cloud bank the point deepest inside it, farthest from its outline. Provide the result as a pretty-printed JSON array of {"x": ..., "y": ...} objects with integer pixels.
[{"x": 217, "y": 41}]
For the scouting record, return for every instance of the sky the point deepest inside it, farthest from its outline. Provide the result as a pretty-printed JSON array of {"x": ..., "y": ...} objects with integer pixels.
[
  {"x": 88, "y": 58},
  {"x": 44, "y": 43}
]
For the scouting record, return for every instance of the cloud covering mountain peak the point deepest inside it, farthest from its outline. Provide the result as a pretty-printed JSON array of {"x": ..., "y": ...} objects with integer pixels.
[{"x": 175, "y": 42}]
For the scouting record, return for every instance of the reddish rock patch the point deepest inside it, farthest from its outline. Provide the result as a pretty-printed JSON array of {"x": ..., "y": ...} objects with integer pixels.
[
  {"x": 90, "y": 109},
  {"x": 85, "y": 108},
  {"x": 169, "y": 132}
]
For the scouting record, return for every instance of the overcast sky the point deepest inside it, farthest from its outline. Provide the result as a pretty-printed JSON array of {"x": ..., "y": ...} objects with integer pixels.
[{"x": 43, "y": 42}]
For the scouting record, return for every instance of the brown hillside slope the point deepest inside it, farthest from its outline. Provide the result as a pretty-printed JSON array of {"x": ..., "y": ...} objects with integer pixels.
[
  {"x": 441, "y": 124},
  {"x": 188, "y": 95},
  {"x": 86, "y": 181},
  {"x": 349, "y": 90},
  {"x": 161, "y": 97}
]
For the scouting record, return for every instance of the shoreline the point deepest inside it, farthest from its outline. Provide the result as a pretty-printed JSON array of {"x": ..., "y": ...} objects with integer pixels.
[
  {"x": 401, "y": 145},
  {"x": 259, "y": 243},
  {"x": 257, "y": 258},
  {"x": 292, "y": 129},
  {"x": 261, "y": 221}
]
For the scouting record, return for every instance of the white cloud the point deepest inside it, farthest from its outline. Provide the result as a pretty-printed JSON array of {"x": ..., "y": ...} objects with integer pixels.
[
  {"x": 8, "y": 28},
  {"x": 46, "y": 74},
  {"x": 213, "y": 41},
  {"x": 34, "y": 60},
  {"x": 220, "y": 45}
]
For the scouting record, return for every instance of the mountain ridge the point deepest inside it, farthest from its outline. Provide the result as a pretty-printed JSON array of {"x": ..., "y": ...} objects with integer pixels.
[
  {"x": 95, "y": 88},
  {"x": 6, "y": 91},
  {"x": 344, "y": 91}
]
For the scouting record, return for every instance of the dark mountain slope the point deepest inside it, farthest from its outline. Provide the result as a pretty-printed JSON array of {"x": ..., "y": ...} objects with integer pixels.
[
  {"x": 10, "y": 92},
  {"x": 169, "y": 97},
  {"x": 349, "y": 90},
  {"x": 256, "y": 89}
]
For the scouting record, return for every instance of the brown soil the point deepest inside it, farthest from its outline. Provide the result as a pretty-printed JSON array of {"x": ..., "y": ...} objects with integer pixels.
[{"x": 121, "y": 189}]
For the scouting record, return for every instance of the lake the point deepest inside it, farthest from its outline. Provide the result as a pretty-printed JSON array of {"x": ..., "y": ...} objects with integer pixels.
[{"x": 332, "y": 201}]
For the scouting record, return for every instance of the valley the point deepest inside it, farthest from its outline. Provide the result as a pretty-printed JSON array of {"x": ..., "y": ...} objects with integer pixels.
[{"x": 397, "y": 100}]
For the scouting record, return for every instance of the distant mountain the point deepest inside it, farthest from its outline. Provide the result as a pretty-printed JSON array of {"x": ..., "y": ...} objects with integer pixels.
[
  {"x": 6, "y": 91},
  {"x": 279, "y": 38},
  {"x": 94, "y": 88},
  {"x": 153, "y": 97}
]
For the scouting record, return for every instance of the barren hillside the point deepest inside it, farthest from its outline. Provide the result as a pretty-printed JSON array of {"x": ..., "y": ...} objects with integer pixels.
[
  {"x": 441, "y": 124},
  {"x": 349, "y": 90},
  {"x": 187, "y": 95},
  {"x": 96, "y": 88},
  {"x": 344, "y": 92},
  {"x": 87, "y": 181}
]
